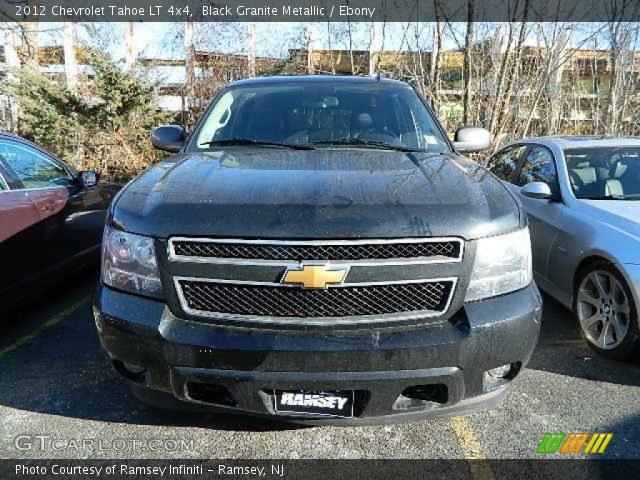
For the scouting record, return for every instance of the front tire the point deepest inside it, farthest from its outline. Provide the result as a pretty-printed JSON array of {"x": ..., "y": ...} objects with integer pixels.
[{"x": 606, "y": 312}]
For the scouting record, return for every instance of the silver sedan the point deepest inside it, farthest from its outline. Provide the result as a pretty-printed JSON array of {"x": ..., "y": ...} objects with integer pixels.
[{"x": 581, "y": 197}]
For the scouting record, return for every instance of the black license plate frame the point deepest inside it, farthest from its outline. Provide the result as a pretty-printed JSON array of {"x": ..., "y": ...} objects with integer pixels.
[{"x": 314, "y": 403}]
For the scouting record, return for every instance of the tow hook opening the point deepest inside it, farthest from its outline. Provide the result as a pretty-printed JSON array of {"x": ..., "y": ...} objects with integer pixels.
[
  {"x": 422, "y": 396},
  {"x": 499, "y": 376},
  {"x": 209, "y": 393}
]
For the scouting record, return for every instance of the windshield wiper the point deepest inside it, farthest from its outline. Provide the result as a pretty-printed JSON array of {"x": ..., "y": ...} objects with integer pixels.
[
  {"x": 371, "y": 143},
  {"x": 259, "y": 143}
]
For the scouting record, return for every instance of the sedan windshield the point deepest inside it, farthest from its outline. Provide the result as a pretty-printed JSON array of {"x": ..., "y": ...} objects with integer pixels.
[
  {"x": 604, "y": 173},
  {"x": 320, "y": 115}
]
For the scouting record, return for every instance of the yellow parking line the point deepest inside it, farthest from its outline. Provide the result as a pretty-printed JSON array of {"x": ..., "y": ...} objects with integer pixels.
[
  {"x": 57, "y": 318},
  {"x": 479, "y": 466}
]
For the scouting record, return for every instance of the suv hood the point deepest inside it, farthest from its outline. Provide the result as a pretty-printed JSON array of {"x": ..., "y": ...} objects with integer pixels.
[{"x": 323, "y": 193}]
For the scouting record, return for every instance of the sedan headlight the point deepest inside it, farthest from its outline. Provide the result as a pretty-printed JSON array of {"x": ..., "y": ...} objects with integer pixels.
[
  {"x": 502, "y": 265},
  {"x": 129, "y": 263}
]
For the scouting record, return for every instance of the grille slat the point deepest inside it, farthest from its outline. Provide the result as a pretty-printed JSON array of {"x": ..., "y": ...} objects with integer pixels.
[
  {"x": 271, "y": 301},
  {"x": 448, "y": 249}
]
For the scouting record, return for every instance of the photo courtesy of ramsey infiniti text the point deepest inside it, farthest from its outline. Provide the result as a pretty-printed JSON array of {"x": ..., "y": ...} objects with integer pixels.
[{"x": 318, "y": 251}]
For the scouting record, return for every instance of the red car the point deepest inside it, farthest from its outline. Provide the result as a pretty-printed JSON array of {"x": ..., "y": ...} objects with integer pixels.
[{"x": 51, "y": 218}]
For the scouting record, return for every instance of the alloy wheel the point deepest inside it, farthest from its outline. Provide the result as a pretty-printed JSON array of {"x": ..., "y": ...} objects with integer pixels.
[{"x": 603, "y": 309}]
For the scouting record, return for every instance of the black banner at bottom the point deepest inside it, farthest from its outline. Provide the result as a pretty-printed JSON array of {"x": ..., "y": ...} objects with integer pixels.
[{"x": 569, "y": 469}]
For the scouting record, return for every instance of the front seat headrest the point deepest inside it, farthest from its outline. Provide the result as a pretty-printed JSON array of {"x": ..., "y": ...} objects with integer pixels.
[
  {"x": 586, "y": 175},
  {"x": 618, "y": 169},
  {"x": 613, "y": 187}
]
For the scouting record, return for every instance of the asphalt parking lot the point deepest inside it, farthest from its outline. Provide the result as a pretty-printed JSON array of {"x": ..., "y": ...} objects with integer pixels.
[{"x": 57, "y": 390}]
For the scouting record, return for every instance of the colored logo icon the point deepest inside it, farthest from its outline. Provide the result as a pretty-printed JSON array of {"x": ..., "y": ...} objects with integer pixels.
[{"x": 573, "y": 443}]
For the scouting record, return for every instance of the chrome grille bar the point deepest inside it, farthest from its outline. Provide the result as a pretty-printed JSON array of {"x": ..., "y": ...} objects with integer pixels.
[{"x": 285, "y": 252}]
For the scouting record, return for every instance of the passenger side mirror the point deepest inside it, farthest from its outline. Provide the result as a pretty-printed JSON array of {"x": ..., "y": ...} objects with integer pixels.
[
  {"x": 169, "y": 138},
  {"x": 471, "y": 139},
  {"x": 89, "y": 178},
  {"x": 538, "y": 190}
]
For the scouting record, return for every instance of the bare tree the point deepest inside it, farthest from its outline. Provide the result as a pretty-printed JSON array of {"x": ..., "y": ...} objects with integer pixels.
[
  {"x": 310, "y": 50},
  {"x": 190, "y": 73},
  {"x": 129, "y": 45},
  {"x": 251, "y": 48},
  {"x": 372, "y": 50},
  {"x": 466, "y": 71},
  {"x": 619, "y": 55},
  {"x": 436, "y": 64},
  {"x": 332, "y": 59},
  {"x": 29, "y": 31},
  {"x": 12, "y": 61},
  {"x": 70, "y": 63}
]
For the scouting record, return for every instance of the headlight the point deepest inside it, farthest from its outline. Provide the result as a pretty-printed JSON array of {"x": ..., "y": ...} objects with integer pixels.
[
  {"x": 502, "y": 265},
  {"x": 129, "y": 263}
]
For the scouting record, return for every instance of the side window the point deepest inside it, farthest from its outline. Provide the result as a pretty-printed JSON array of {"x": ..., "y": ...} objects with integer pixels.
[
  {"x": 539, "y": 166},
  {"x": 504, "y": 163},
  {"x": 32, "y": 168}
]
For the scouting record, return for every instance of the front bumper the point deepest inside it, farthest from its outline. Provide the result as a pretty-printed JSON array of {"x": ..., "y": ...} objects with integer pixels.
[{"x": 240, "y": 367}]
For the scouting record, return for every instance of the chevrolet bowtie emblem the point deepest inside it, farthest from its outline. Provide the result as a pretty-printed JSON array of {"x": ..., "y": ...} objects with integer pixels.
[{"x": 315, "y": 276}]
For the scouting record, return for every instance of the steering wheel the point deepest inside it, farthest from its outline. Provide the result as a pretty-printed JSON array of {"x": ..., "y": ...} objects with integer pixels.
[{"x": 298, "y": 138}]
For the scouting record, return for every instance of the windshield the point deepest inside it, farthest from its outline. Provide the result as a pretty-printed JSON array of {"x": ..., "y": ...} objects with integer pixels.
[
  {"x": 321, "y": 115},
  {"x": 607, "y": 173}
]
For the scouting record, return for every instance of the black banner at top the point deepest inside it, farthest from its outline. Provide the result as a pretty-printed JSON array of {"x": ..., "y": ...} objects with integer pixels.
[{"x": 319, "y": 10}]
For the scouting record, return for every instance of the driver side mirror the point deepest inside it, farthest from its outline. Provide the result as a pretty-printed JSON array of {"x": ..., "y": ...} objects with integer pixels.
[
  {"x": 89, "y": 178},
  {"x": 471, "y": 139},
  {"x": 169, "y": 138},
  {"x": 538, "y": 190}
]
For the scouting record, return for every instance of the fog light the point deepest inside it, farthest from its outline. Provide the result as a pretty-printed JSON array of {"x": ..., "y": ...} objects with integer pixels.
[
  {"x": 133, "y": 369},
  {"x": 500, "y": 372}
]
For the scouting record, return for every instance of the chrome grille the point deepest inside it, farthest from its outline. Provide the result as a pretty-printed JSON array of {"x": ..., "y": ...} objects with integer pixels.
[
  {"x": 346, "y": 301},
  {"x": 356, "y": 250},
  {"x": 241, "y": 280}
]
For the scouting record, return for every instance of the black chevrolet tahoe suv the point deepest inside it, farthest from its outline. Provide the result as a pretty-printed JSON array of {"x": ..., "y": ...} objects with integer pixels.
[{"x": 318, "y": 251}]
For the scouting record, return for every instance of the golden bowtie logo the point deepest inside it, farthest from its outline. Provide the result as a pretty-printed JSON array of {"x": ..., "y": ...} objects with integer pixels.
[{"x": 315, "y": 276}]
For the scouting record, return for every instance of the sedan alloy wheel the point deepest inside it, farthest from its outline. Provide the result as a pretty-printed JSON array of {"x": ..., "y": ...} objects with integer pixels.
[{"x": 603, "y": 309}]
